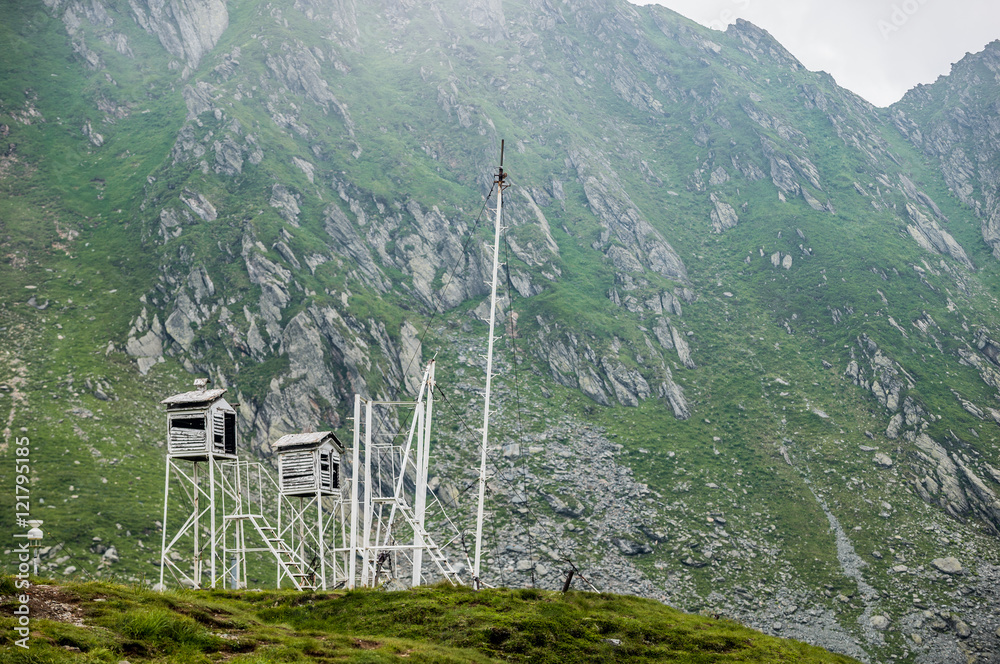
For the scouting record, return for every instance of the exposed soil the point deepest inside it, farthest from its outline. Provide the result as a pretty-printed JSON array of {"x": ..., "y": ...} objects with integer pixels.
[{"x": 54, "y": 603}]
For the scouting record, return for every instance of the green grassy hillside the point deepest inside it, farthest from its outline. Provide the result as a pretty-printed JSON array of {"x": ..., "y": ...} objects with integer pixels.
[{"x": 105, "y": 622}]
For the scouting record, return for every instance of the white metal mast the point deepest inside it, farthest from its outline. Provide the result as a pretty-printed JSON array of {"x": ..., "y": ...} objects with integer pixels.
[{"x": 500, "y": 184}]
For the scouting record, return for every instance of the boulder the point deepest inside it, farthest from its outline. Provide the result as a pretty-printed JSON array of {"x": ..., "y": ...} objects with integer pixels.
[
  {"x": 948, "y": 565},
  {"x": 723, "y": 215},
  {"x": 562, "y": 508},
  {"x": 879, "y": 622},
  {"x": 962, "y": 629},
  {"x": 629, "y": 547},
  {"x": 883, "y": 460},
  {"x": 654, "y": 534},
  {"x": 511, "y": 451}
]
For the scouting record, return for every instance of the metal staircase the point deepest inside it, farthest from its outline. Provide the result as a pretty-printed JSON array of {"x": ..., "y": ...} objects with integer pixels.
[
  {"x": 288, "y": 560},
  {"x": 254, "y": 485},
  {"x": 430, "y": 547}
]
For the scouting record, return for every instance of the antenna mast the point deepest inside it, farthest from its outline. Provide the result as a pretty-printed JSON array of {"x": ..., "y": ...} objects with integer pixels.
[{"x": 500, "y": 183}]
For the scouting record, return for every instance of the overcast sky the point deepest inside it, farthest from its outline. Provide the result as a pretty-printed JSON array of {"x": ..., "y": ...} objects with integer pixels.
[{"x": 878, "y": 49}]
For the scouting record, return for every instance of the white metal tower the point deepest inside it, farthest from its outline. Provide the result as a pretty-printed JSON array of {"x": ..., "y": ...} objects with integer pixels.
[
  {"x": 226, "y": 503},
  {"x": 389, "y": 492}
]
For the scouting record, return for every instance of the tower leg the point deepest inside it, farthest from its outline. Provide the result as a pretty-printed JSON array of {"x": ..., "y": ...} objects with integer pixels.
[
  {"x": 197, "y": 527},
  {"x": 163, "y": 545},
  {"x": 320, "y": 540},
  {"x": 421, "y": 497},
  {"x": 211, "y": 521}
]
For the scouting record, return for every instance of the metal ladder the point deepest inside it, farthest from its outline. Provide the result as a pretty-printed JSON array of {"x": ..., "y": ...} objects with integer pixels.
[
  {"x": 289, "y": 561},
  {"x": 432, "y": 549}
]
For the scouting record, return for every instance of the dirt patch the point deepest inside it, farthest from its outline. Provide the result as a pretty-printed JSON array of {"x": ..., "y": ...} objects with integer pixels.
[{"x": 54, "y": 603}]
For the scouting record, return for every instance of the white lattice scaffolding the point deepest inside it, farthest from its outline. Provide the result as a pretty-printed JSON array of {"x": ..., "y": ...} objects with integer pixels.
[
  {"x": 388, "y": 492},
  {"x": 229, "y": 508},
  {"x": 300, "y": 532}
]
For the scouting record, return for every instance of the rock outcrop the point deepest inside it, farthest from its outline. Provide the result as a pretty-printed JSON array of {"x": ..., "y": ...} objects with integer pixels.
[
  {"x": 949, "y": 480},
  {"x": 933, "y": 238},
  {"x": 187, "y": 29},
  {"x": 954, "y": 123},
  {"x": 888, "y": 382},
  {"x": 601, "y": 374},
  {"x": 639, "y": 244},
  {"x": 145, "y": 341},
  {"x": 286, "y": 202},
  {"x": 723, "y": 215}
]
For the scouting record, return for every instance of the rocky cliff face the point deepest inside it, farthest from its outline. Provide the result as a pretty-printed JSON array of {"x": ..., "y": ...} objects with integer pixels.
[
  {"x": 953, "y": 121},
  {"x": 188, "y": 29}
]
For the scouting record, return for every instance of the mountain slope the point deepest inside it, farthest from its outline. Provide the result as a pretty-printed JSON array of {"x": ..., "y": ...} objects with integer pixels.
[{"x": 755, "y": 369}]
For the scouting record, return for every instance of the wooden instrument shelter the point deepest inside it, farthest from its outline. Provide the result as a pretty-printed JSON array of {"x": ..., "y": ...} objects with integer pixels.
[{"x": 309, "y": 463}]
